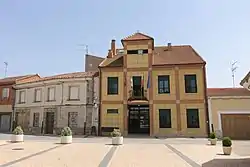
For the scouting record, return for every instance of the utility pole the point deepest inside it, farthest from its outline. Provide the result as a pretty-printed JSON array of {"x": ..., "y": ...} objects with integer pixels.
[
  {"x": 5, "y": 69},
  {"x": 233, "y": 70}
]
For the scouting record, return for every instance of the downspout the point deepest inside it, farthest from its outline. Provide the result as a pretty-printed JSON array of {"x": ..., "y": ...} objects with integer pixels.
[
  {"x": 211, "y": 127},
  {"x": 13, "y": 119},
  {"x": 100, "y": 103},
  {"x": 206, "y": 99}
]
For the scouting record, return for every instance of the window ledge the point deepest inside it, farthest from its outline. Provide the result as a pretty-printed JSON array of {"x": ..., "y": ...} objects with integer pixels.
[
  {"x": 50, "y": 100},
  {"x": 73, "y": 100}
]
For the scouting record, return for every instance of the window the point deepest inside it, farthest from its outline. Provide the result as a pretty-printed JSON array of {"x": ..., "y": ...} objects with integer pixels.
[
  {"x": 72, "y": 119},
  {"x": 5, "y": 93},
  {"x": 193, "y": 118},
  {"x": 112, "y": 111},
  {"x": 112, "y": 85},
  {"x": 137, "y": 86},
  {"x": 74, "y": 92},
  {"x": 140, "y": 51},
  {"x": 190, "y": 84},
  {"x": 165, "y": 118},
  {"x": 36, "y": 119},
  {"x": 163, "y": 84},
  {"x": 132, "y": 52},
  {"x": 38, "y": 95},
  {"x": 22, "y": 96},
  {"x": 51, "y": 94}
]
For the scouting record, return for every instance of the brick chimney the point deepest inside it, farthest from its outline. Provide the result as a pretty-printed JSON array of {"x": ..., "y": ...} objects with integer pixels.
[
  {"x": 109, "y": 54},
  {"x": 113, "y": 48}
]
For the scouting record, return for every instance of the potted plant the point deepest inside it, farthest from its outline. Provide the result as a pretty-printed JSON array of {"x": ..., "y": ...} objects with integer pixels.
[
  {"x": 66, "y": 135},
  {"x": 17, "y": 135},
  {"x": 227, "y": 145},
  {"x": 117, "y": 138},
  {"x": 213, "y": 139}
]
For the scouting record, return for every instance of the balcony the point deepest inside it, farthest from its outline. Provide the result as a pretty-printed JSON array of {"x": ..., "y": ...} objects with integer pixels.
[{"x": 137, "y": 95}]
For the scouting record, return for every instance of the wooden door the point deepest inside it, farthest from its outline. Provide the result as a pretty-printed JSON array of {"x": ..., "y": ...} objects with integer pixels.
[
  {"x": 236, "y": 126},
  {"x": 50, "y": 116}
]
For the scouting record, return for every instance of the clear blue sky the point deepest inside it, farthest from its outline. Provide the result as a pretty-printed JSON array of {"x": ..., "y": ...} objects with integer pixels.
[{"x": 43, "y": 36}]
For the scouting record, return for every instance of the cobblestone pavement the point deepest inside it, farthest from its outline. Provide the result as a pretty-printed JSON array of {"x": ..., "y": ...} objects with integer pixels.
[{"x": 44, "y": 151}]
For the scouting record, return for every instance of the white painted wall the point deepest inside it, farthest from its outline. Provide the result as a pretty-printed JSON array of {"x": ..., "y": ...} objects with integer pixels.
[{"x": 61, "y": 92}]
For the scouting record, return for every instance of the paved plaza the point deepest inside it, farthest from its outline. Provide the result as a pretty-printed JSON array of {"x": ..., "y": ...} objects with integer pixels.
[{"x": 43, "y": 151}]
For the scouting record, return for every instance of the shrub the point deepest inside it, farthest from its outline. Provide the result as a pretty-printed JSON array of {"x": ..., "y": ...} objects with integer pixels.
[
  {"x": 66, "y": 131},
  {"x": 226, "y": 142},
  {"x": 18, "y": 131},
  {"x": 116, "y": 133},
  {"x": 212, "y": 135}
]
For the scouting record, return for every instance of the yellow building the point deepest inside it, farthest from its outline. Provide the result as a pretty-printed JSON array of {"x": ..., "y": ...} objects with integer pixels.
[{"x": 154, "y": 90}]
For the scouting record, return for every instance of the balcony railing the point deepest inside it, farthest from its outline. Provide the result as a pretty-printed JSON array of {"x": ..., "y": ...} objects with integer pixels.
[{"x": 137, "y": 95}]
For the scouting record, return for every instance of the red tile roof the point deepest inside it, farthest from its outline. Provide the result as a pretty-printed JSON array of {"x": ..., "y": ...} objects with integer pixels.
[
  {"x": 15, "y": 78},
  {"x": 65, "y": 76},
  {"x": 227, "y": 92},
  {"x": 176, "y": 55},
  {"x": 137, "y": 36},
  {"x": 245, "y": 79}
]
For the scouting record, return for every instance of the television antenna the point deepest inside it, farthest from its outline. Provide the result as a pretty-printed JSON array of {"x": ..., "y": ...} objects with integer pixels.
[
  {"x": 233, "y": 70},
  {"x": 86, "y": 48},
  {"x": 5, "y": 69}
]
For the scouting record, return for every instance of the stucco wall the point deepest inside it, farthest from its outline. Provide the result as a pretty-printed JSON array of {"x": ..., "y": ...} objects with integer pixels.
[
  {"x": 61, "y": 93},
  {"x": 229, "y": 105}
]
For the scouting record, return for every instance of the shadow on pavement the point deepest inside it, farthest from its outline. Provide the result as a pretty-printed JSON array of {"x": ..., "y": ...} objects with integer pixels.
[{"x": 243, "y": 162}]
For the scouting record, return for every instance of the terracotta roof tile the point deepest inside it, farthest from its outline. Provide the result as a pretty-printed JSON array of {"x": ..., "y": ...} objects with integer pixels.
[
  {"x": 137, "y": 36},
  {"x": 108, "y": 61},
  {"x": 174, "y": 55},
  {"x": 15, "y": 78},
  {"x": 245, "y": 79},
  {"x": 228, "y": 92},
  {"x": 65, "y": 76}
]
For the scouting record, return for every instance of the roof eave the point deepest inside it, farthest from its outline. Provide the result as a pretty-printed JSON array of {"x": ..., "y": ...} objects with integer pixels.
[{"x": 244, "y": 79}]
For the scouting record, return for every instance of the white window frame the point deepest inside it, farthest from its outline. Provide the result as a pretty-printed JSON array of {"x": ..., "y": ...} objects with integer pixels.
[
  {"x": 78, "y": 92},
  {"x": 48, "y": 97},
  {"x": 5, "y": 93},
  {"x": 20, "y": 96},
  {"x": 35, "y": 95}
]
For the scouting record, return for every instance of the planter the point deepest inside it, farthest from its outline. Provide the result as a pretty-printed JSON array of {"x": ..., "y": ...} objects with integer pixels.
[
  {"x": 66, "y": 139},
  {"x": 227, "y": 150},
  {"x": 17, "y": 138},
  {"x": 117, "y": 140},
  {"x": 213, "y": 141}
]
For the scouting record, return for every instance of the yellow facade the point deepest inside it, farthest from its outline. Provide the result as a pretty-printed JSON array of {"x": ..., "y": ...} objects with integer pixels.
[
  {"x": 112, "y": 120},
  {"x": 104, "y": 78},
  {"x": 200, "y": 82},
  {"x": 172, "y": 95},
  {"x": 165, "y": 131},
  {"x": 177, "y": 100}
]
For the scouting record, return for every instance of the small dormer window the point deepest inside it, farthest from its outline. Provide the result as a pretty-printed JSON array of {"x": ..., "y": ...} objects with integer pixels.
[{"x": 140, "y": 51}]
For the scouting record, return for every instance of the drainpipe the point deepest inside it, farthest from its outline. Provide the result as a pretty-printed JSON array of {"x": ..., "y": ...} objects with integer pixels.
[
  {"x": 13, "y": 121},
  {"x": 99, "y": 106},
  {"x": 211, "y": 127}
]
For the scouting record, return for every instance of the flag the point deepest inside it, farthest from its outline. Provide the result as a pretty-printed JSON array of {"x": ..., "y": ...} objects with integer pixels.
[
  {"x": 142, "y": 81},
  {"x": 131, "y": 82},
  {"x": 148, "y": 82}
]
